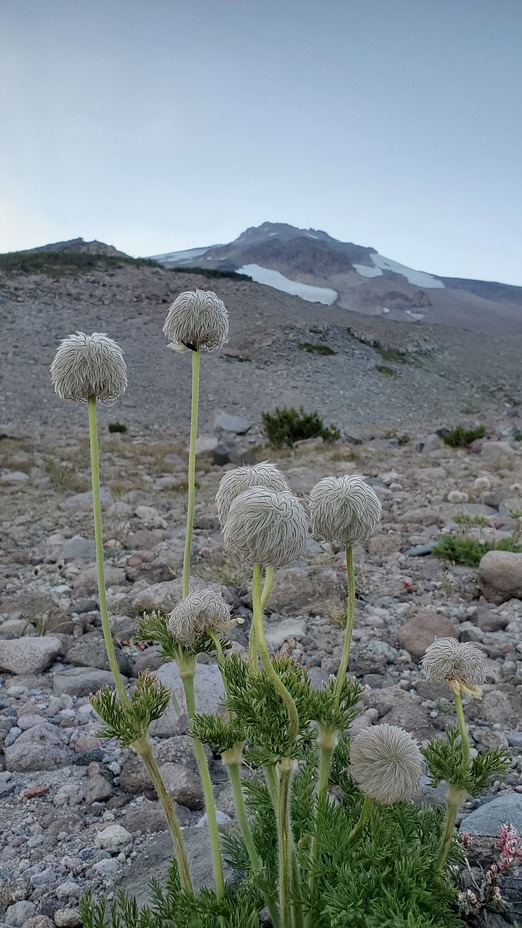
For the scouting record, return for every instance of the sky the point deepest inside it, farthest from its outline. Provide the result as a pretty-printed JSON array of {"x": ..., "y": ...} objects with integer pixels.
[{"x": 169, "y": 124}]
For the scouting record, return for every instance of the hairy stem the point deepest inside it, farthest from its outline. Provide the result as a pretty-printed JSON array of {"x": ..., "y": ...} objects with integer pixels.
[
  {"x": 293, "y": 718},
  {"x": 341, "y": 675},
  {"x": 463, "y": 732},
  {"x": 328, "y": 741},
  {"x": 456, "y": 797},
  {"x": 257, "y": 866},
  {"x": 143, "y": 748},
  {"x": 206, "y": 783},
  {"x": 284, "y": 840},
  {"x": 98, "y": 538},
  {"x": 267, "y": 586},
  {"x": 191, "y": 470},
  {"x": 363, "y": 818}
]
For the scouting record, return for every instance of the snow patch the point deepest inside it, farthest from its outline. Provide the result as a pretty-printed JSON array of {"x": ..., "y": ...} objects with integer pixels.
[
  {"x": 264, "y": 275},
  {"x": 417, "y": 278}
]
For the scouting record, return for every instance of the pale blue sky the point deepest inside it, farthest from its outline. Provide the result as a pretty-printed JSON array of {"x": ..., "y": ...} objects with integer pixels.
[{"x": 169, "y": 124}]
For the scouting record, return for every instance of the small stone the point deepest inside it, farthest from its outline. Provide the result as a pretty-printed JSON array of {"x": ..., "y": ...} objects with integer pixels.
[
  {"x": 38, "y": 921},
  {"x": 67, "y": 889},
  {"x": 183, "y": 786},
  {"x": 487, "y": 819},
  {"x": 18, "y": 913},
  {"x": 29, "y": 655},
  {"x": 418, "y": 633},
  {"x": 67, "y": 918},
  {"x": 107, "y": 869},
  {"x": 113, "y": 838}
]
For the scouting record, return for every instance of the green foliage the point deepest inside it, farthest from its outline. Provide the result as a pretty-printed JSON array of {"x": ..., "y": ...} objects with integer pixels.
[
  {"x": 58, "y": 263},
  {"x": 469, "y": 551},
  {"x": 153, "y": 626},
  {"x": 445, "y": 759},
  {"x": 390, "y": 354},
  {"x": 283, "y": 427},
  {"x": 221, "y": 736},
  {"x": 316, "y": 349},
  {"x": 130, "y": 723},
  {"x": 117, "y": 427},
  {"x": 460, "y": 437},
  {"x": 210, "y": 272},
  {"x": 384, "y": 369}
]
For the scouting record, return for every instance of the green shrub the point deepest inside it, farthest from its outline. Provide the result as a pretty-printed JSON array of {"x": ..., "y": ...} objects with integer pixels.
[
  {"x": 469, "y": 551},
  {"x": 384, "y": 369},
  {"x": 283, "y": 427},
  {"x": 58, "y": 263},
  {"x": 117, "y": 427},
  {"x": 316, "y": 349},
  {"x": 459, "y": 437}
]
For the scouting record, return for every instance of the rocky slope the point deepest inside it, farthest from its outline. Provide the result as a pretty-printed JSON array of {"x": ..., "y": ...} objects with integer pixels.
[{"x": 78, "y": 813}]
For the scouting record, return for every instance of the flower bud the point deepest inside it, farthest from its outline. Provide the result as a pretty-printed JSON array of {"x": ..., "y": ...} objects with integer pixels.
[
  {"x": 386, "y": 762},
  {"x": 89, "y": 365},
  {"x": 198, "y": 611},
  {"x": 265, "y": 527},
  {"x": 459, "y": 664},
  {"x": 344, "y": 509},
  {"x": 234, "y": 482},
  {"x": 197, "y": 319}
]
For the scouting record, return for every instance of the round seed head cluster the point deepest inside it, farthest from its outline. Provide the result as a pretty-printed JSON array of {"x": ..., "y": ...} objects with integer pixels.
[
  {"x": 516, "y": 489},
  {"x": 235, "y": 482},
  {"x": 386, "y": 762},
  {"x": 89, "y": 365},
  {"x": 456, "y": 496},
  {"x": 265, "y": 527},
  {"x": 197, "y": 319},
  {"x": 344, "y": 509},
  {"x": 482, "y": 484},
  {"x": 448, "y": 658},
  {"x": 199, "y": 610}
]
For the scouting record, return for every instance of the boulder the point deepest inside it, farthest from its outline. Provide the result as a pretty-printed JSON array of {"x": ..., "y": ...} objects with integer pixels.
[
  {"x": 419, "y": 632},
  {"x": 29, "y": 654},
  {"x": 500, "y": 576}
]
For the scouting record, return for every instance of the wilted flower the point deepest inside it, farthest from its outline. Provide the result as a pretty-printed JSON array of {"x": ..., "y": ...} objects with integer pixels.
[
  {"x": 344, "y": 509},
  {"x": 265, "y": 527},
  {"x": 197, "y": 319},
  {"x": 89, "y": 365},
  {"x": 386, "y": 762},
  {"x": 459, "y": 664},
  {"x": 234, "y": 482},
  {"x": 199, "y": 610},
  {"x": 482, "y": 484},
  {"x": 455, "y": 496}
]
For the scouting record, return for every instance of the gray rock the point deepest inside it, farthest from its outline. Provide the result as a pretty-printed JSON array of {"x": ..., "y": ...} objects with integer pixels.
[
  {"x": 162, "y": 597},
  {"x": 373, "y": 657},
  {"x": 78, "y": 548},
  {"x": 87, "y": 580},
  {"x": 284, "y": 629},
  {"x": 227, "y": 452},
  {"x": 514, "y": 738},
  {"x": 29, "y": 655},
  {"x": 114, "y": 839},
  {"x": 38, "y": 748},
  {"x": 67, "y": 918},
  {"x": 208, "y": 685},
  {"x": 18, "y": 913},
  {"x": 487, "y": 819},
  {"x": 84, "y": 500},
  {"x": 183, "y": 786},
  {"x": 420, "y": 550},
  {"x": 81, "y": 681},
  {"x": 229, "y": 423},
  {"x": 90, "y": 651},
  {"x": 307, "y": 590},
  {"x": 179, "y": 750},
  {"x": 418, "y": 633},
  {"x": 98, "y": 789},
  {"x": 14, "y": 476},
  {"x": 500, "y": 576}
]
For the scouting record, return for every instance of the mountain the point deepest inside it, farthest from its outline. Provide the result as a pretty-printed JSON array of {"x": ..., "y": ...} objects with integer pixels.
[
  {"x": 311, "y": 264},
  {"x": 79, "y": 246}
]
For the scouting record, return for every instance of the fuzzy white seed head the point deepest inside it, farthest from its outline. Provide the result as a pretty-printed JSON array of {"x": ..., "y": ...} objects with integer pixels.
[
  {"x": 197, "y": 319},
  {"x": 235, "y": 482},
  {"x": 459, "y": 664},
  {"x": 344, "y": 509},
  {"x": 265, "y": 527},
  {"x": 455, "y": 496},
  {"x": 516, "y": 489},
  {"x": 386, "y": 762},
  {"x": 89, "y": 365},
  {"x": 199, "y": 610},
  {"x": 482, "y": 484}
]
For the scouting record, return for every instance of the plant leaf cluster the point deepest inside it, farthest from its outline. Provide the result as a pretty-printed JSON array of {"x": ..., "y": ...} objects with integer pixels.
[
  {"x": 129, "y": 723},
  {"x": 284, "y": 426},
  {"x": 445, "y": 759},
  {"x": 153, "y": 626}
]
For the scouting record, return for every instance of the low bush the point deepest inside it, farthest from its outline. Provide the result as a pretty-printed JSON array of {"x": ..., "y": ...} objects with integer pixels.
[
  {"x": 459, "y": 437},
  {"x": 469, "y": 551},
  {"x": 283, "y": 427}
]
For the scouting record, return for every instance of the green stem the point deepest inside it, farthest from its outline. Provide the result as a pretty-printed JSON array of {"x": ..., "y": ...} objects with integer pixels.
[
  {"x": 328, "y": 741},
  {"x": 252, "y": 649},
  {"x": 293, "y": 718},
  {"x": 284, "y": 839},
  {"x": 143, "y": 748},
  {"x": 257, "y": 866},
  {"x": 456, "y": 797},
  {"x": 206, "y": 783},
  {"x": 463, "y": 732},
  {"x": 267, "y": 586},
  {"x": 98, "y": 538},
  {"x": 191, "y": 470},
  {"x": 349, "y": 625},
  {"x": 363, "y": 818}
]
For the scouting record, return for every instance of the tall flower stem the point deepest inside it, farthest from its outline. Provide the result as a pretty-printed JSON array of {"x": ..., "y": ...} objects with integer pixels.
[
  {"x": 252, "y": 651},
  {"x": 293, "y": 718},
  {"x": 232, "y": 759},
  {"x": 98, "y": 539},
  {"x": 456, "y": 797},
  {"x": 191, "y": 469},
  {"x": 267, "y": 586},
  {"x": 143, "y": 748},
  {"x": 285, "y": 843},
  {"x": 187, "y": 676},
  {"x": 363, "y": 818},
  {"x": 463, "y": 732},
  {"x": 341, "y": 675},
  {"x": 327, "y": 740}
]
